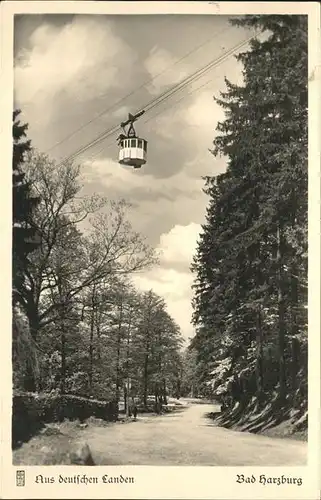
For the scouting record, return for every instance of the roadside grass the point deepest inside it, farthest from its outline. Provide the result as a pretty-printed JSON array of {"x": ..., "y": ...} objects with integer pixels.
[
  {"x": 50, "y": 447},
  {"x": 54, "y": 443}
]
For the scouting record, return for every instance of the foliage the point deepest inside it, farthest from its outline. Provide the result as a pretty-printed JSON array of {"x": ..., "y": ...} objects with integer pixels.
[
  {"x": 92, "y": 333},
  {"x": 31, "y": 411},
  {"x": 189, "y": 380},
  {"x": 24, "y": 242},
  {"x": 24, "y": 352},
  {"x": 250, "y": 288},
  {"x": 23, "y": 232}
]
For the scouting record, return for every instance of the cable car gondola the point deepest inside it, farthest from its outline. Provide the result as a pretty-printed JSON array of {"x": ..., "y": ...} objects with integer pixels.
[{"x": 133, "y": 149}]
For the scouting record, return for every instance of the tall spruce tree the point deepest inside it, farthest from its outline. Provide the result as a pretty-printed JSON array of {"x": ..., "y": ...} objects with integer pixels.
[
  {"x": 23, "y": 243},
  {"x": 250, "y": 265},
  {"x": 23, "y": 233}
]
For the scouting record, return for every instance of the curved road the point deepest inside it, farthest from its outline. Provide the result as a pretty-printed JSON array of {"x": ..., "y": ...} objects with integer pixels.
[{"x": 188, "y": 437}]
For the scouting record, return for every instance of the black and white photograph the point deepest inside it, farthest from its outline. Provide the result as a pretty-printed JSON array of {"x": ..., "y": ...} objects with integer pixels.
[{"x": 160, "y": 190}]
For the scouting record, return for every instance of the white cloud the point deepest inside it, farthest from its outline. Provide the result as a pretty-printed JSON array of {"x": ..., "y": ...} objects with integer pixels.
[
  {"x": 169, "y": 283},
  {"x": 115, "y": 177},
  {"x": 178, "y": 246},
  {"x": 191, "y": 115},
  {"x": 193, "y": 121},
  {"x": 83, "y": 59},
  {"x": 204, "y": 113},
  {"x": 182, "y": 311},
  {"x": 175, "y": 288},
  {"x": 158, "y": 204},
  {"x": 160, "y": 65}
]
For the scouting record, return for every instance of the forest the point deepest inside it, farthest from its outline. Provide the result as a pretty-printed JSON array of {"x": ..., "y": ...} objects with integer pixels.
[
  {"x": 79, "y": 325},
  {"x": 250, "y": 267}
]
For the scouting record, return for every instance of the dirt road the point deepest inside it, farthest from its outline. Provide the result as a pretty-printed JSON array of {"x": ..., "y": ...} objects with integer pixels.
[{"x": 188, "y": 438}]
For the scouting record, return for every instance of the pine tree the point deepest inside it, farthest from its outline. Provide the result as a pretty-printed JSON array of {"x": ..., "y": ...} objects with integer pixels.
[
  {"x": 250, "y": 267},
  {"x": 23, "y": 233},
  {"x": 24, "y": 242}
]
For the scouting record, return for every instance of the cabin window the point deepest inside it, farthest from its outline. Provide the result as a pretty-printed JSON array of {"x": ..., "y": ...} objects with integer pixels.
[
  {"x": 140, "y": 143},
  {"x": 133, "y": 143},
  {"x": 145, "y": 146}
]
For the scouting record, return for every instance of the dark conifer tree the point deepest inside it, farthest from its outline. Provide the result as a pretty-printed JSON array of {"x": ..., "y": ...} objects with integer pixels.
[
  {"x": 250, "y": 266},
  {"x": 23, "y": 233},
  {"x": 24, "y": 241}
]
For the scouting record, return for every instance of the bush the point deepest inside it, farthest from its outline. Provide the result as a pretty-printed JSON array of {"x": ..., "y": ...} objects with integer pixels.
[
  {"x": 30, "y": 411},
  {"x": 26, "y": 420}
]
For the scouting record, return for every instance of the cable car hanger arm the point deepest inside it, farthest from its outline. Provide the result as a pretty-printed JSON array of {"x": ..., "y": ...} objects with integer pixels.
[
  {"x": 132, "y": 118},
  {"x": 131, "y": 130}
]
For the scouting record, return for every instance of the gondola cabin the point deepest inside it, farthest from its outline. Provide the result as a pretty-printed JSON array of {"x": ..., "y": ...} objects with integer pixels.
[{"x": 133, "y": 152}]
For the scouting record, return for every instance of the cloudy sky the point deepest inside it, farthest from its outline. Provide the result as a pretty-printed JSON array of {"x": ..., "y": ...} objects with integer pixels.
[{"x": 69, "y": 69}]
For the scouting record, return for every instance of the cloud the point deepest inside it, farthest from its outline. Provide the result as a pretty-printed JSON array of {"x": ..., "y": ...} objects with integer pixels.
[
  {"x": 118, "y": 179},
  {"x": 160, "y": 65},
  {"x": 175, "y": 288},
  {"x": 82, "y": 60},
  {"x": 168, "y": 283},
  {"x": 191, "y": 116},
  {"x": 158, "y": 203},
  {"x": 193, "y": 122},
  {"x": 203, "y": 114},
  {"x": 176, "y": 246}
]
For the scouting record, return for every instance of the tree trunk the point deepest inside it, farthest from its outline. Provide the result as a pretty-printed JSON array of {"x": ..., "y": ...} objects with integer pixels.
[
  {"x": 91, "y": 340},
  {"x": 295, "y": 365},
  {"x": 147, "y": 349},
  {"x": 127, "y": 360},
  {"x": 126, "y": 405},
  {"x": 98, "y": 341},
  {"x": 281, "y": 317},
  {"x": 29, "y": 382},
  {"x": 255, "y": 255},
  {"x": 164, "y": 392},
  {"x": 295, "y": 345},
  {"x": 128, "y": 410},
  {"x": 118, "y": 352},
  {"x": 155, "y": 396},
  {"x": 145, "y": 380},
  {"x": 63, "y": 360},
  {"x": 62, "y": 315},
  {"x": 33, "y": 320},
  {"x": 91, "y": 353},
  {"x": 259, "y": 357}
]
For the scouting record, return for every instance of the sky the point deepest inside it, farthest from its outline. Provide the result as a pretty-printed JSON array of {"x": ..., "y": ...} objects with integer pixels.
[{"x": 70, "y": 69}]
